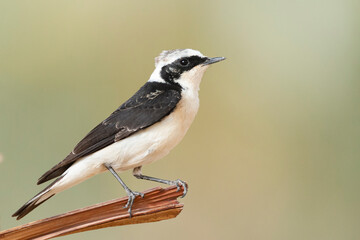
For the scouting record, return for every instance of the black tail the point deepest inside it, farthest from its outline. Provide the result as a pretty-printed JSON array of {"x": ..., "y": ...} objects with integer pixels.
[
  {"x": 28, "y": 207},
  {"x": 35, "y": 201}
]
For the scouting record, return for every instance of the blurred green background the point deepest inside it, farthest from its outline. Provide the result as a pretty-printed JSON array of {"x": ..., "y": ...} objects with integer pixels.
[{"x": 273, "y": 152}]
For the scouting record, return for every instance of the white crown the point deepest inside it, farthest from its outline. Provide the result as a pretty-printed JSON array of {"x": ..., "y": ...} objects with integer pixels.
[{"x": 168, "y": 56}]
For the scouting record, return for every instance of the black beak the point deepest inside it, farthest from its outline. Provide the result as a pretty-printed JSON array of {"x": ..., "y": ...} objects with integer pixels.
[{"x": 213, "y": 60}]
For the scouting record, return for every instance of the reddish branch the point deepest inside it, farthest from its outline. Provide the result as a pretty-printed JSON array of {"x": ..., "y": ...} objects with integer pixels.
[{"x": 158, "y": 204}]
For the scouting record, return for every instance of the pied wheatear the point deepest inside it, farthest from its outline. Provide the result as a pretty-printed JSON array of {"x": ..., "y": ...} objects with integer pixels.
[{"x": 142, "y": 130}]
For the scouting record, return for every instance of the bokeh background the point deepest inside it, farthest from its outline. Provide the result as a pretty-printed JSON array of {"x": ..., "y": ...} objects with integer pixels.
[{"x": 273, "y": 152}]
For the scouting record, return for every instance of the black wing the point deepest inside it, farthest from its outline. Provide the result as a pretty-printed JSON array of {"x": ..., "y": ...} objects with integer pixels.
[{"x": 149, "y": 105}]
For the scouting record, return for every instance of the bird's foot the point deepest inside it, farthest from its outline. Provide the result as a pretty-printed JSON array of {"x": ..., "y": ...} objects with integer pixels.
[
  {"x": 131, "y": 197},
  {"x": 178, "y": 183}
]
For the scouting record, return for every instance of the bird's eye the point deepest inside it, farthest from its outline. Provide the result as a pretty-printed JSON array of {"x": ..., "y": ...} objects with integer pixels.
[{"x": 184, "y": 62}]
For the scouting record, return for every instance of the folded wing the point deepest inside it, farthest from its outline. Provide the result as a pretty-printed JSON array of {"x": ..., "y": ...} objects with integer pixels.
[{"x": 148, "y": 106}]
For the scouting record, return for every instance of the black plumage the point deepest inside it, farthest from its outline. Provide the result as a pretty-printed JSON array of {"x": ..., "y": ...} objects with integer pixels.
[
  {"x": 173, "y": 71},
  {"x": 149, "y": 105}
]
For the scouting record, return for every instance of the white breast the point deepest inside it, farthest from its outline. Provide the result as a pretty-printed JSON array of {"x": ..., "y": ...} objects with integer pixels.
[{"x": 156, "y": 141}]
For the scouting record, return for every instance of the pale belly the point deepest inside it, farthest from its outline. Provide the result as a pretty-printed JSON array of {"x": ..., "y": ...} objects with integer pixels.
[
  {"x": 148, "y": 145},
  {"x": 145, "y": 146}
]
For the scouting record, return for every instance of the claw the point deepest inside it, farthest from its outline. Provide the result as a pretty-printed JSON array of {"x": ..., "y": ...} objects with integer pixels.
[
  {"x": 178, "y": 183},
  {"x": 132, "y": 195}
]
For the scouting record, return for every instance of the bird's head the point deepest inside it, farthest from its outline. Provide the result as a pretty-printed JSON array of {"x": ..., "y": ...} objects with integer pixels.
[{"x": 182, "y": 67}]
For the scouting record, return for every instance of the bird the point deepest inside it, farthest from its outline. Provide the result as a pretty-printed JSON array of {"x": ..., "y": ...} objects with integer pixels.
[{"x": 142, "y": 130}]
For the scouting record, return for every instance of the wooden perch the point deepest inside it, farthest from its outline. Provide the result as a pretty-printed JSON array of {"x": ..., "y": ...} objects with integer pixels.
[{"x": 158, "y": 204}]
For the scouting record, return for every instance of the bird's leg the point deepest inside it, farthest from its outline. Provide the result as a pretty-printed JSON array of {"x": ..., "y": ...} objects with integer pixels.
[
  {"x": 178, "y": 183},
  {"x": 131, "y": 194}
]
